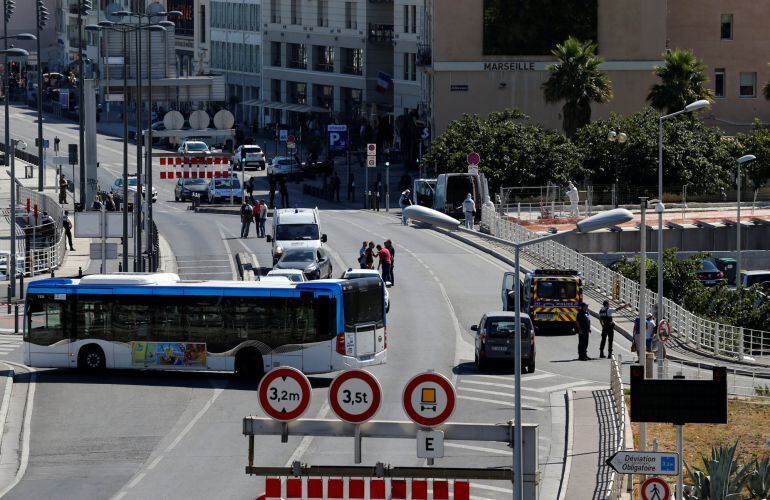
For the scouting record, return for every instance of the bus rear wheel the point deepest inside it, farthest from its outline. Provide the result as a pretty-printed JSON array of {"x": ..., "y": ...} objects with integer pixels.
[
  {"x": 91, "y": 359},
  {"x": 248, "y": 364}
]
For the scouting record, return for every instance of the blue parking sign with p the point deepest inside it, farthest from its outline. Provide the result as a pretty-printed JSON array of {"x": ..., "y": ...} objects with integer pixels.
[{"x": 338, "y": 137}]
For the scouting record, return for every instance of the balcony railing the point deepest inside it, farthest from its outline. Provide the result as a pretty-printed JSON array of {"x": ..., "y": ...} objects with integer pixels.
[
  {"x": 352, "y": 70},
  {"x": 424, "y": 56},
  {"x": 298, "y": 64},
  {"x": 382, "y": 33},
  {"x": 327, "y": 67}
]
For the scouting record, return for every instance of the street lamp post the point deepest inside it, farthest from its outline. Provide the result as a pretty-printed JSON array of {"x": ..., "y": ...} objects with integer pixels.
[
  {"x": 741, "y": 161},
  {"x": 620, "y": 138},
  {"x": 42, "y": 21},
  {"x": 599, "y": 221},
  {"x": 84, "y": 7},
  {"x": 660, "y": 208},
  {"x": 7, "y": 75}
]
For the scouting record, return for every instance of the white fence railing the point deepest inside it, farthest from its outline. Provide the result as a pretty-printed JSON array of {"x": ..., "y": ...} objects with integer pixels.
[
  {"x": 698, "y": 333},
  {"x": 619, "y": 407}
]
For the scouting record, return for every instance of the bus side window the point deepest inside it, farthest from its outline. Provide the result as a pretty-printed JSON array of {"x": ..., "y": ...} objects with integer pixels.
[
  {"x": 131, "y": 320},
  {"x": 93, "y": 318},
  {"x": 45, "y": 324}
]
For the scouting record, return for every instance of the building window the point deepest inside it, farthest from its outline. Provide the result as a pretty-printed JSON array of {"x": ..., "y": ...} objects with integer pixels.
[
  {"x": 296, "y": 92},
  {"x": 410, "y": 66},
  {"x": 726, "y": 27},
  {"x": 203, "y": 24},
  {"x": 324, "y": 58},
  {"x": 323, "y": 13},
  {"x": 275, "y": 89},
  {"x": 413, "y": 19},
  {"x": 406, "y": 66},
  {"x": 351, "y": 15},
  {"x": 719, "y": 82},
  {"x": 748, "y": 85},
  {"x": 297, "y": 56},
  {"x": 275, "y": 11},
  {"x": 275, "y": 54},
  {"x": 406, "y": 19},
  {"x": 324, "y": 96},
  {"x": 296, "y": 12},
  {"x": 353, "y": 61}
]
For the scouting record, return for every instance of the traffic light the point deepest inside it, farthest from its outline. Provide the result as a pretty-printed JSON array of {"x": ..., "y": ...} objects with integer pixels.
[
  {"x": 42, "y": 15},
  {"x": 9, "y": 8}
]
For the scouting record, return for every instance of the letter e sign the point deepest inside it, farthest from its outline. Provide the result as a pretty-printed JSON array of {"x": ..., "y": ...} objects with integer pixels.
[{"x": 430, "y": 444}]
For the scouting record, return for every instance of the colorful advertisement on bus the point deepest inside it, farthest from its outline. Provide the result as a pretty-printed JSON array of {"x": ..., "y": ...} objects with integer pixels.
[{"x": 176, "y": 354}]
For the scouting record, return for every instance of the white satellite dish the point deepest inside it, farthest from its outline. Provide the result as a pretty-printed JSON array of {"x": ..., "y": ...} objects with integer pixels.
[
  {"x": 173, "y": 120},
  {"x": 199, "y": 119},
  {"x": 223, "y": 120}
]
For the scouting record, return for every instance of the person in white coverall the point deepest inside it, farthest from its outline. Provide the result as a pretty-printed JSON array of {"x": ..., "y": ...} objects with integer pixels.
[
  {"x": 574, "y": 199},
  {"x": 469, "y": 207}
]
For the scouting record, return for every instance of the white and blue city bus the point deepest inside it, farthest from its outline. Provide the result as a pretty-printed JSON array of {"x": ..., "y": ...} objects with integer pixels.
[{"x": 157, "y": 321}]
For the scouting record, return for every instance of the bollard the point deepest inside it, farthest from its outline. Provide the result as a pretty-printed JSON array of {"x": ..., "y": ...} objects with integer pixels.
[
  {"x": 52, "y": 274},
  {"x": 9, "y": 298},
  {"x": 120, "y": 267},
  {"x": 80, "y": 272},
  {"x": 21, "y": 286},
  {"x": 16, "y": 318}
]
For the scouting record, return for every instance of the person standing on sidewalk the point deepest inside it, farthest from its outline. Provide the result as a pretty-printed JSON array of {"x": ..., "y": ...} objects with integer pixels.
[
  {"x": 247, "y": 215},
  {"x": 62, "y": 189},
  {"x": 584, "y": 329},
  {"x": 284, "y": 193},
  {"x": 392, "y": 250},
  {"x": 403, "y": 202},
  {"x": 469, "y": 208},
  {"x": 606, "y": 313},
  {"x": 272, "y": 190},
  {"x": 67, "y": 223}
]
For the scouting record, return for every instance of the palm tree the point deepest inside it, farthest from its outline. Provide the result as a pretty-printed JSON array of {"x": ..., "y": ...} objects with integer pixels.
[
  {"x": 683, "y": 80},
  {"x": 576, "y": 79}
]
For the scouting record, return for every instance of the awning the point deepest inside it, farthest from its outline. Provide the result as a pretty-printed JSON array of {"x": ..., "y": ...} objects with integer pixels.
[{"x": 299, "y": 108}]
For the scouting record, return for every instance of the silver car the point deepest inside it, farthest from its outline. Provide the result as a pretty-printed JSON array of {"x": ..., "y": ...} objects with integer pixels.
[{"x": 116, "y": 189}]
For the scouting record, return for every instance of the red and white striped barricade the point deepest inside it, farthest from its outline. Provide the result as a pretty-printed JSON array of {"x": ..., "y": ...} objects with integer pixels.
[
  {"x": 172, "y": 167},
  {"x": 277, "y": 488}
]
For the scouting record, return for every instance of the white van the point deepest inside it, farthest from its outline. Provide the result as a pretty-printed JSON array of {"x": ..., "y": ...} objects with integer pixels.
[{"x": 295, "y": 228}]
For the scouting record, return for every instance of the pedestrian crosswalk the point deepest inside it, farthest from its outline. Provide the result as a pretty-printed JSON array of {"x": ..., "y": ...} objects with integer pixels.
[{"x": 9, "y": 343}]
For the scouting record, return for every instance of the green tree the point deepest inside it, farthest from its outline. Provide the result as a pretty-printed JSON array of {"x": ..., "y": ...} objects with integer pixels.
[
  {"x": 512, "y": 153},
  {"x": 757, "y": 143},
  {"x": 577, "y": 80},
  {"x": 683, "y": 80},
  {"x": 678, "y": 274}
]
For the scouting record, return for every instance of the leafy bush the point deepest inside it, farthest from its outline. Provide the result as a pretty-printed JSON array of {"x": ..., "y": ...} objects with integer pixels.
[
  {"x": 721, "y": 477},
  {"x": 759, "y": 479},
  {"x": 678, "y": 274}
]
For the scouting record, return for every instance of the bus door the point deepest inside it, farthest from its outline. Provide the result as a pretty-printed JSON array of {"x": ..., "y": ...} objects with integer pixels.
[{"x": 46, "y": 331}]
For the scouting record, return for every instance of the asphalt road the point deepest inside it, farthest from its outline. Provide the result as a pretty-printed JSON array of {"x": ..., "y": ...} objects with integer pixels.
[{"x": 178, "y": 435}]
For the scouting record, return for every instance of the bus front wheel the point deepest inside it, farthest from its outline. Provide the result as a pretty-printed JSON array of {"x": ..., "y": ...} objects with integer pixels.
[
  {"x": 91, "y": 359},
  {"x": 248, "y": 364}
]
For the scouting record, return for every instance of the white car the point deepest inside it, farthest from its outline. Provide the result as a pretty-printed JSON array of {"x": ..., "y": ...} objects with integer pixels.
[
  {"x": 248, "y": 156},
  {"x": 194, "y": 148},
  {"x": 283, "y": 165},
  {"x": 224, "y": 189},
  {"x": 351, "y": 274},
  {"x": 116, "y": 189},
  {"x": 294, "y": 275}
]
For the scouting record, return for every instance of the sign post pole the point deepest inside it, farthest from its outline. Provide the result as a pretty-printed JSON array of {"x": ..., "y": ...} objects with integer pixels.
[{"x": 679, "y": 494}]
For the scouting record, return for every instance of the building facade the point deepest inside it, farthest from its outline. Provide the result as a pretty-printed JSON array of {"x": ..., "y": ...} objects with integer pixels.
[{"x": 732, "y": 38}]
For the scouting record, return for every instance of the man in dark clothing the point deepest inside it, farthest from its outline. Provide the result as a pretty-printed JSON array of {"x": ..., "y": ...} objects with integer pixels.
[
  {"x": 272, "y": 191},
  {"x": 284, "y": 193},
  {"x": 62, "y": 190},
  {"x": 584, "y": 329},
  {"x": 67, "y": 223},
  {"x": 335, "y": 187},
  {"x": 606, "y": 313}
]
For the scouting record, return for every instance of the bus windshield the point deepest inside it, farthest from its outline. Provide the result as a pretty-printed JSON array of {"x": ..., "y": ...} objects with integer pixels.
[{"x": 556, "y": 290}]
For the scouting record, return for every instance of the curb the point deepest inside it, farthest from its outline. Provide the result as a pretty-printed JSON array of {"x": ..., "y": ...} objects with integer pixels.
[
  {"x": 568, "y": 405},
  {"x": 167, "y": 264},
  {"x": 212, "y": 210},
  {"x": 6, "y": 400},
  {"x": 714, "y": 361}
]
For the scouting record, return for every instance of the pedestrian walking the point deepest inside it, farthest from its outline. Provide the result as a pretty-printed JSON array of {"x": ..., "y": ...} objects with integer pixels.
[
  {"x": 384, "y": 264},
  {"x": 392, "y": 250},
  {"x": 67, "y": 223},
  {"x": 469, "y": 208},
  {"x": 404, "y": 201},
  {"x": 606, "y": 314},
  {"x": 247, "y": 215},
  {"x": 362, "y": 255},
  {"x": 584, "y": 329},
  {"x": 272, "y": 191},
  {"x": 649, "y": 332},
  {"x": 351, "y": 187},
  {"x": 110, "y": 203},
  {"x": 284, "y": 193},
  {"x": 335, "y": 187},
  {"x": 62, "y": 189},
  {"x": 369, "y": 256},
  {"x": 262, "y": 219}
]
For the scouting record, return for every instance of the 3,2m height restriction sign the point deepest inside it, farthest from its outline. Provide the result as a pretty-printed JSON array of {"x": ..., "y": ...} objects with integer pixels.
[
  {"x": 355, "y": 396},
  {"x": 284, "y": 393}
]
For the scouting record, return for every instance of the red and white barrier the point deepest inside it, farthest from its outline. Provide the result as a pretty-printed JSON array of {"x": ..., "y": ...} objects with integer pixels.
[
  {"x": 208, "y": 167},
  {"x": 364, "y": 489}
]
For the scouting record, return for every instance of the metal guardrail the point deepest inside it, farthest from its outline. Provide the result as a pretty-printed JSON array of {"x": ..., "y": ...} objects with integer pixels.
[
  {"x": 708, "y": 337},
  {"x": 615, "y": 488}
]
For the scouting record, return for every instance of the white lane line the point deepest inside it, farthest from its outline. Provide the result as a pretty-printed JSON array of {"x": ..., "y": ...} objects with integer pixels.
[
  {"x": 6, "y": 400},
  {"x": 119, "y": 495},
  {"x": 207, "y": 266},
  {"x": 228, "y": 250},
  {"x": 510, "y": 379},
  {"x": 220, "y": 273},
  {"x": 477, "y": 448},
  {"x": 491, "y": 384},
  {"x": 491, "y": 488},
  {"x": 155, "y": 462},
  {"x": 307, "y": 440},
  {"x": 561, "y": 387},
  {"x": 498, "y": 402},
  {"x": 195, "y": 419},
  {"x": 136, "y": 480},
  {"x": 200, "y": 261},
  {"x": 502, "y": 394}
]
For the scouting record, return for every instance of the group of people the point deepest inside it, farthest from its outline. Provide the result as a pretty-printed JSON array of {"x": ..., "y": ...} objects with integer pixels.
[
  {"x": 104, "y": 200},
  {"x": 256, "y": 213},
  {"x": 385, "y": 254},
  {"x": 606, "y": 319}
]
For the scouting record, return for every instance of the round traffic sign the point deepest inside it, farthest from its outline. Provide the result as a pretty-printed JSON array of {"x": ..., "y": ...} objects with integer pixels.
[
  {"x": 664, "y": 330},
  {"x": 429, "y": 399},
  {"x": 655, "y": 489},
  {"x": 284, "y": 393},
  {"x": 290, "y": 138},
  {"x": 355, "y": 396},
  {"x": 371, "y": 148},
  {"x": 474, "y": 158}
]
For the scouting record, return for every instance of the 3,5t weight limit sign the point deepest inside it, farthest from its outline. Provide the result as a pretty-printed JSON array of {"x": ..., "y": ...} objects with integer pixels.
[
  {"x": 355, "y": 396},
  {"x": 284, "y": 393}
]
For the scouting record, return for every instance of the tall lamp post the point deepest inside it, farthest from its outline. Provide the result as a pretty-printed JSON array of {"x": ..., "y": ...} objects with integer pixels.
[
  {"x": 741, "y": 161},
  {"x": 7, "y": 75},
  {"x": 620, "y": 138},
  {"x": 84, "y": 7},
  {"x": 42, "y": 21},
  {"x": 660, "y": 208},
  {"x": 599, "y": 221}
]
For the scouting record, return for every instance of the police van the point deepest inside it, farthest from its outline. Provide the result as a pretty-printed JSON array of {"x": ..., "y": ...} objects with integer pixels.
[
  {"x": 551, "y": 297},
  {"x": 295, "y": 228}
]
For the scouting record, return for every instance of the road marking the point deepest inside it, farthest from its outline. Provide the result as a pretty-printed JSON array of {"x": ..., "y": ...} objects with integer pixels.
[
  {"x": 119, "y": 495},
  {"x": 202, "y": 260},
  {"x": 503, "y": 394},
  {"x": 6, "y": 400},
  {"x": 477, "y": 448},
  {"x": 155, "y": 462},
  {"x": 208, "y": 266},
  {"x": 561, "y": 387},
  {"x": 24, "y": 461},
  {"x": 195, "y": 419},
  {"x": 221, "y": 273},
  {"x": 228, "y": 250},
  {"x": 498, "y": 402},
  {"x": 490, "y": 488},
  {"x": 136, "y": 480},
  {"x": 510, "y": 379},
  {"x": 307, "y": 440}
]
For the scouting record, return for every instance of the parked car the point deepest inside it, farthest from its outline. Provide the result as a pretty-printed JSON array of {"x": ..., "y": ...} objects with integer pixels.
[
  {"x": 116, "y": 189},
  {"x": 293, "y": 275},
  {"x": 352, "y": 274},
  {"x": 709, "y": 274},
  {"x": 495, "y": 335},
  {"x": 283, "y": 165},
  {"x": 314, "y": 262},
  {"x": 749, "y": 278},
  {"x": 727, "y": 265},
  {"x": 185, "y": 188},
  {"x": 248, "y": 156},
  {"x": 224, "y": 189},
  {"x": 194, "y": 148}
]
